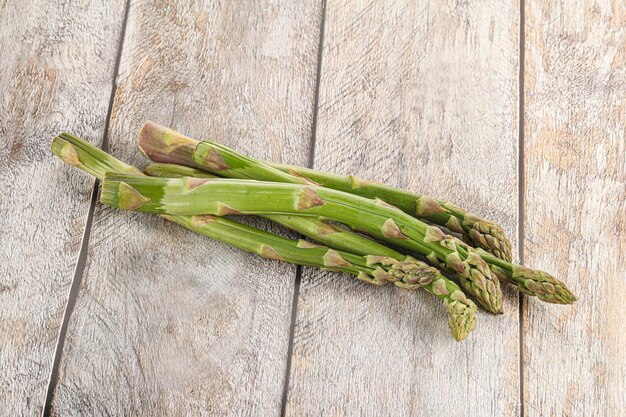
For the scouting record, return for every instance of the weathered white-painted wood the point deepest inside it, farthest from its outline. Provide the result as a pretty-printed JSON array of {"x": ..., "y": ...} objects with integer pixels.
[
  {"x": 575, "y": 205},
  {"x": 168, "y": 322},
  {"x": 421, "y": 95},
  {"x": 57, "y": 61}
]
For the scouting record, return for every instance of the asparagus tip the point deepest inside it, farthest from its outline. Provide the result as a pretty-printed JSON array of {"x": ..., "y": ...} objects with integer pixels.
[
  {"x": 542, "y": 285},
  {"x": 461, "y": 316}
]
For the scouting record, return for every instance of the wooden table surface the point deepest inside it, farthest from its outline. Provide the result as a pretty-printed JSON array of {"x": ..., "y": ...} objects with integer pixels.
[{"x": 517, "y": 111}]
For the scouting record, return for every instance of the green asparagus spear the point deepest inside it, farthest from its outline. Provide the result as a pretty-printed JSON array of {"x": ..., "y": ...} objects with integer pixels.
[
  {"x": 227, "y": 196},
  {"x": 165, "y": 145},
  {"x": 160, "y": 143},
  {"x": 482, "y": 233},
  {"x": 461, "y": 311},
  {"x": 193, "y": 196},
  {"x": 313, "y": 227},
  {"x": 377, "y": 270},
  {"x": 159, "y": 169},
  {"x": 325, "y": 233},
  {"x": 487, "y": 235}
]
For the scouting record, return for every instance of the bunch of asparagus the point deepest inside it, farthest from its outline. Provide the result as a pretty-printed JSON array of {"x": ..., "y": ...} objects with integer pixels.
[{"x": 353, "y": 225}]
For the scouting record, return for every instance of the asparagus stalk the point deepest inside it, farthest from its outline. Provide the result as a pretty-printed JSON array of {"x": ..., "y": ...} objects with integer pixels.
[
  {"x": 481, "y": 232},
  {"x": 162, "y": 144},
  {"x": 226, "y": 196},
  {"x": 193, "y": 196},
  {"x": 406, "y": 273},
  {"x": 487, "y": 235},
  {"x": 330, "y": 236},
  {"x": 312, "y": 227},
  {"x": 165, "y": 145},
  {"x": 158, "y": 169},
  {"x": 461, "y": 311}
]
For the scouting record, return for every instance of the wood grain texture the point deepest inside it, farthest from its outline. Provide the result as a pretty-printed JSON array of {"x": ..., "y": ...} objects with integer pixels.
[
  {"x": 575, "y": 205},
  {"x": 57, "y": 68},
  {"x": 168, "y": 322},
  {"x": 421, "y": 95}
]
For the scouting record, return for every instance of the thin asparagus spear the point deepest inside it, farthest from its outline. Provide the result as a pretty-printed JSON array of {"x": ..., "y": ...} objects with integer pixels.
[
  {"x": 373, "y": 269},
  {"x": 165, "y": 145},
  {"x": 481, "y": 232},
  {"x": 461, "y": 311},
  {"x": 192, "y": 196}
]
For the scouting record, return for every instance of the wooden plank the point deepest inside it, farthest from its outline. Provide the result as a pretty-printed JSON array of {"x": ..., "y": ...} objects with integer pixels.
[
  {"x": 422, "y": 95},
  {"x": 575, "y": 205},
  {"x": 57, "y": 68},
  {"x": 168, "y": 322}
]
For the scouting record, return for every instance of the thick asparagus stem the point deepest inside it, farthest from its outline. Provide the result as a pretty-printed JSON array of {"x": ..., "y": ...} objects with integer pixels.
[
  {"x": 312, "y": 227},
  {"x": 165, "y": 145},
  {"x": 81, "y": 154},
  {"x": 192, "y": 196},
  {"x": 374, "y": 269}
]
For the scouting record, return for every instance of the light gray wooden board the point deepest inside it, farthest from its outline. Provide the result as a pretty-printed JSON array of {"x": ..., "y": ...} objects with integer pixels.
[
  {"x": 575, "y": 205},
  {"x": 168, "y": 322},
  {"x": 57, "y": 68},
  {"x": 421, "y": 95}
]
